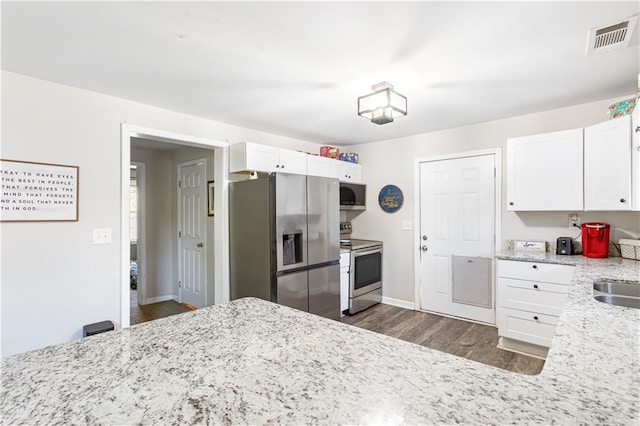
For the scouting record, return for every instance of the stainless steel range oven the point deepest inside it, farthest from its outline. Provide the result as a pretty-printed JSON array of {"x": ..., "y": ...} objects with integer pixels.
[{"x": 365, "y": 274}]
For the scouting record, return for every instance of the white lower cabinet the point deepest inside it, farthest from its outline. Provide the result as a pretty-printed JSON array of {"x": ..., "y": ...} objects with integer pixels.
[
  {"x": 530, "y": 300},
  {"x": 527, "y": 326}
]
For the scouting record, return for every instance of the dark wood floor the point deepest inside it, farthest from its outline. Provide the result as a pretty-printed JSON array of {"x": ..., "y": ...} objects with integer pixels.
[
  {"x": 140, "y": 314},
  {"x": 462, "y": 338}
]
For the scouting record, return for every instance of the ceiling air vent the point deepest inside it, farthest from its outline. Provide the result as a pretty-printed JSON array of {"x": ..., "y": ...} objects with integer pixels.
[{"x": 612, "y": 37}]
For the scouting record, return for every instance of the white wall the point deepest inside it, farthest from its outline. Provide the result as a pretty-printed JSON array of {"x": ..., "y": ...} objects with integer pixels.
[
  {"x": 53, "y": 279},
  {"x": 392, "y": 162}
]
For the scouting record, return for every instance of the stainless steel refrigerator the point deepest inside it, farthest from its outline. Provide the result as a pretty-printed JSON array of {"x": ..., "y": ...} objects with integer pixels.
[{"x": 285, "y": 241}]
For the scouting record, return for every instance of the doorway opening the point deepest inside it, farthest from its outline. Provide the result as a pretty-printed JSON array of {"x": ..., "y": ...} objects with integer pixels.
[
  {"x": 150, "y": 227},
  {"x": 142, "y": 306}
]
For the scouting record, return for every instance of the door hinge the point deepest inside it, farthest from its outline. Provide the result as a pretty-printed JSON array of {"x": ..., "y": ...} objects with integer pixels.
[
  {"x": 495, "y": 172},
  {"x": 179, "y": 184},
  {"x": 179, "y": 234},
  {"x": 179, "y": 284}
]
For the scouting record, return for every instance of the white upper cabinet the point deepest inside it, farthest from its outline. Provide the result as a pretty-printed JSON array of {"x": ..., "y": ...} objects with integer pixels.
[
  {"x": 346, "y": 172},
  {"x": 247, "y": 156},
  {"x": 328, "y": 167},
  {"x": 293, "y": 162},
  {"x": 607, "y": 165},
  {"x": 319, "y": 166},
  {"x": 545, "y": 172}
]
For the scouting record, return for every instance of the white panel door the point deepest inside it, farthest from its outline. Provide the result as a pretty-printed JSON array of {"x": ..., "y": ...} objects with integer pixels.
[
  {"x": 192, "y": 209},
  {"x": 457, "y": 218}
]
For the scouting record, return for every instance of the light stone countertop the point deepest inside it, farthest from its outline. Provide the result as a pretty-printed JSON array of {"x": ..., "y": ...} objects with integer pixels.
[{"x": 255, "y": 362}]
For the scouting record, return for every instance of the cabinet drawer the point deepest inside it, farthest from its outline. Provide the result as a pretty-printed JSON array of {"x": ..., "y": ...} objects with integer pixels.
[
  {"x": 535, "y": 271},
  {"x": 534, "y": 296},
  {"x": 525, "y": 326}
]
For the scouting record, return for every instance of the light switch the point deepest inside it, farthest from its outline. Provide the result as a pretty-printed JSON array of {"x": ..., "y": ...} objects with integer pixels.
[
  {"x": 406, "y": 225},
  {"x": 102, "y": 236}
]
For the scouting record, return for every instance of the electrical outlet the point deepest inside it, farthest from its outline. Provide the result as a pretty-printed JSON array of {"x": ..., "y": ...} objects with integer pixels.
[
  {"x": 102, "y": 236},
  {"x": 574, "y": 221}
]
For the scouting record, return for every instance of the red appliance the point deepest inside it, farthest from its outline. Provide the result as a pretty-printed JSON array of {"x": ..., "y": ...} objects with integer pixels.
[{"x": 595, "y": 239}]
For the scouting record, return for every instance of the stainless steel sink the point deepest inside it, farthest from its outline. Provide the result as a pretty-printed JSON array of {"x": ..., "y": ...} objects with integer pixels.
[
  {"x": 619, "y": 293},
  {"x": 617, "y": 287},
  {"x": 612, "y": 299}
]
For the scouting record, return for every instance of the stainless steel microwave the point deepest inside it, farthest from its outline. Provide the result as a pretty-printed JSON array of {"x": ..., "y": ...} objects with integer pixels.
[{"x": 353, "y": 196}]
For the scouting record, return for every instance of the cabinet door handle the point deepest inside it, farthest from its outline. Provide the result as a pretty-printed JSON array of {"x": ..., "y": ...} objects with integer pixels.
[
  {"x": 622, "y": 200},
  {"x": 535, "y": 317},
  {"x": 510, "y": 203},
  {"x": 535, "y": 286},
  {"x": 535, "y": 266}
]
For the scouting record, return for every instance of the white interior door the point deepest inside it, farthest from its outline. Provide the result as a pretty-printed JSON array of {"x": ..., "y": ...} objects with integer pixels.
[
  {"x": 192, "y": 209},
  {"x": 457, "y": 227}
]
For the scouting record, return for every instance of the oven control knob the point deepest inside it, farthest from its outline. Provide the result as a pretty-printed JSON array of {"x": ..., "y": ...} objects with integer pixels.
[{"x": 423, "y": 248}]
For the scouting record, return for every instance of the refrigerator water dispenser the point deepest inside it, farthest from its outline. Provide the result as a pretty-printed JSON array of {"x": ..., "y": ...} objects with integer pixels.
[{"x": 292, "y": 248}]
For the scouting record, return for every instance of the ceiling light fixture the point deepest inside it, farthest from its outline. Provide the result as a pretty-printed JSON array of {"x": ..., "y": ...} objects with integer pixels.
[{"x": 383, "y": 105}]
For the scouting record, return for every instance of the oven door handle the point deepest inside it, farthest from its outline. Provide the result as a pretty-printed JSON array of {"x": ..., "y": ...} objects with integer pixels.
[{"x": 357, "y": 253}]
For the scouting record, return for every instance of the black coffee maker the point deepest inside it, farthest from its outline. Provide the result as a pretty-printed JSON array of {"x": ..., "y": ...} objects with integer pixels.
[{"x": 564, "y": 246}]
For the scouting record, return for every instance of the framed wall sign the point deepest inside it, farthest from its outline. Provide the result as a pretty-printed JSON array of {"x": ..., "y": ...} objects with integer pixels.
[
  {"x": 38, "y": 192},
  {"x": 210, "y": 199}
]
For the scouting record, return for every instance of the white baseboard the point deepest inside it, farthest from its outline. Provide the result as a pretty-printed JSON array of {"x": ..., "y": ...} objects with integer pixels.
[
  {"x": 158, "y": 299},
  {"x": 399, "y": 303}
]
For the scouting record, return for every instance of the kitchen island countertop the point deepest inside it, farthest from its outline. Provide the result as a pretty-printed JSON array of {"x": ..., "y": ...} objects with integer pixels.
[{"x": 255, "y": 362}]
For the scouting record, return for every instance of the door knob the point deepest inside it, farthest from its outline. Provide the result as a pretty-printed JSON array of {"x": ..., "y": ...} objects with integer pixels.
[
  {"x": 424, "y": 237},
  {"x": 424, "y": 248},
  {"x": 200, "y": 245}
]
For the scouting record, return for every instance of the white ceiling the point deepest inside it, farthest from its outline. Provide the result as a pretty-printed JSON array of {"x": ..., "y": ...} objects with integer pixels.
[{"x": 296, "y": 69}]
